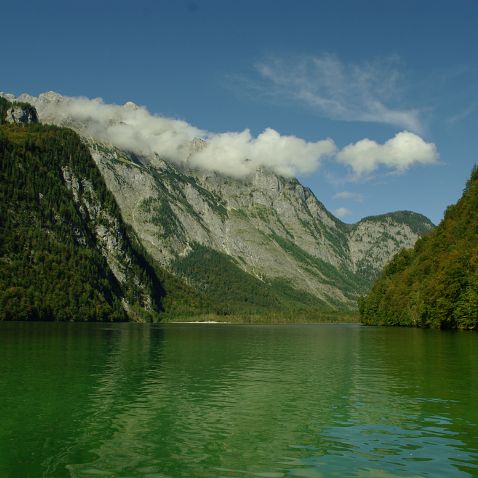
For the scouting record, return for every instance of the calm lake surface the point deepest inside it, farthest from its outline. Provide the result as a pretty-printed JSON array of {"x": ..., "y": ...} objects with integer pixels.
[{"x": 92, "y": 400}]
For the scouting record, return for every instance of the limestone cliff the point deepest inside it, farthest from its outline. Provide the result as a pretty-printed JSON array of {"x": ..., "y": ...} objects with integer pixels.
[{"x": 271, "y": 227}]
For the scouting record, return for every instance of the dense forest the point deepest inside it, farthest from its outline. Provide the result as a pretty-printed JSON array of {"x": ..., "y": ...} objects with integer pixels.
[
  {"x": 51, "y": 267},
  {"x": 435, "y": 284},
  {"x": 230, "y": 290}
]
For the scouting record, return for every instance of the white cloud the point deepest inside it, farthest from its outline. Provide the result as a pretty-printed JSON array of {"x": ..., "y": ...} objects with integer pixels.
[
  {"x": 236, "y": 154},
  {"x": 286, "y": 155},
  {"x": 357, "y": 197},
  {"x": 338, "y": 90},
  {"x": 133, "y": 128},
  {"x": 342, "y": 212},
  {"x": 398, "y": 154}
]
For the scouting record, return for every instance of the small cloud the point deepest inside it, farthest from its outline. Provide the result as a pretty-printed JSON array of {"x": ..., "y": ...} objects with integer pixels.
[
  {"x": 398, "y": 154},
  {"x": 357, "y": 197},
  {"x": 458, "y": 117},
  {"x": 339, "y": 90},
  {"x": 342, "y": 212}
]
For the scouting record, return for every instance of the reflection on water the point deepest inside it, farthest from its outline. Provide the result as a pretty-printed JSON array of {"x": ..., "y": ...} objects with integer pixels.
[{"x": 85, "y": 400}]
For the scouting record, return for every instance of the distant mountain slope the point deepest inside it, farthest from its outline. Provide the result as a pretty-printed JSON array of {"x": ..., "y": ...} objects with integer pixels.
[
  {"x": 375, "y": 239},
  {"x": 436, "y": 283},
  {"x": 269, "y": 226},
  {"x": 264, "y": 231}
]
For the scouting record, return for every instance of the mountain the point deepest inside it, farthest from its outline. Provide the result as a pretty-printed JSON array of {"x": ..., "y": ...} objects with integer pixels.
[
  {"x": 268, "y": 226},
  {"x": 251, "y": 244},
  {"x": 435, "y": 284},
  {"x": 65, "y": 252}
]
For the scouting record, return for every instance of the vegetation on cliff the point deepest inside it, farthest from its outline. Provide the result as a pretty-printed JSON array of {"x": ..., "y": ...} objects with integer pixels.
[
  {"x": 51, "y": 267},
  {"x": 435, "y": 284}
]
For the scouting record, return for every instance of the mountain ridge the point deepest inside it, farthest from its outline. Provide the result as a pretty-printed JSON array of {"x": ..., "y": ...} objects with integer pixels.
[{"x": 268, "y": 226}]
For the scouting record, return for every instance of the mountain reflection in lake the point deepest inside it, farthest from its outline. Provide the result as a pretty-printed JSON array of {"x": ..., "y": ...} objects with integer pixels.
[{"x": 85, "y": 400}]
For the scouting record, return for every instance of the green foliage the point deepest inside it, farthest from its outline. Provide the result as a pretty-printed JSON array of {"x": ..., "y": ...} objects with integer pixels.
[
  {"x": 230, "y": 290},
  {"x": 436, "y": 283},
  {"x": 178, "y": 298},
  {"x": 161, "y": 215},
  {"x": 296, "y": 316},
  {"x": 51, "y": 267},
  {"x": 5, "y": 105}
]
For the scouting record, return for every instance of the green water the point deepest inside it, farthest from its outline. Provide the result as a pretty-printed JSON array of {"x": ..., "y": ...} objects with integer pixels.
[{"x": 92, "y": 400}]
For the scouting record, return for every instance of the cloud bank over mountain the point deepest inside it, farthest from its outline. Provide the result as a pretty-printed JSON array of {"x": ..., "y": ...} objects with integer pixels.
[
  {"x": 238, "y": 154},
  {"x": 135, "y": 129}
]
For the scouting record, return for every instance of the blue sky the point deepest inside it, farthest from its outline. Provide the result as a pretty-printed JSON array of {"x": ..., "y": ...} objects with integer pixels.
[{"x": 345, "y": 70}]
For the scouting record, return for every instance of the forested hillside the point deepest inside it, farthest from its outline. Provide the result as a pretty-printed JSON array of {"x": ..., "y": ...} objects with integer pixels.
[
  {"x": 435, "y": 284},
  {"x": 51, "y": 261}
]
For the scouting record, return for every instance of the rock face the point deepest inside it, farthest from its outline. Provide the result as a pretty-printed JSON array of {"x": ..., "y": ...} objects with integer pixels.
[
  {"x": 110, "y": 239},
  {"x": 270, "y": 226},
  {"x": 273, "y": 227},
  {"x": 16, "y": 112},
  {"x": 374, "y": 240},
  {"x": 19, "y": 114}
]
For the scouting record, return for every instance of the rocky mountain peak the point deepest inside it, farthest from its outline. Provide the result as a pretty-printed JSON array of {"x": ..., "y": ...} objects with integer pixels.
[
  {"x": 50, "y": 96},
  {"x": 131, "y": 106},
  {"x": 197, "y": 145}
]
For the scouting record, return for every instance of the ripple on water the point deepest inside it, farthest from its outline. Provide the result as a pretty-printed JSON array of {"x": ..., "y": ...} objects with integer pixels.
[{"x": 186, "y": 401}]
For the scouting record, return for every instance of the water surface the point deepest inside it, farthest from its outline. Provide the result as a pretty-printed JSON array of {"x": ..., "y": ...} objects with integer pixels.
[{"x": 96, "y": 400}]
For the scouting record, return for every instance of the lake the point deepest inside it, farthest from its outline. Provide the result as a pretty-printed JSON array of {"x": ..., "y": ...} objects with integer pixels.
[{"x": 100, "y": 400}]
